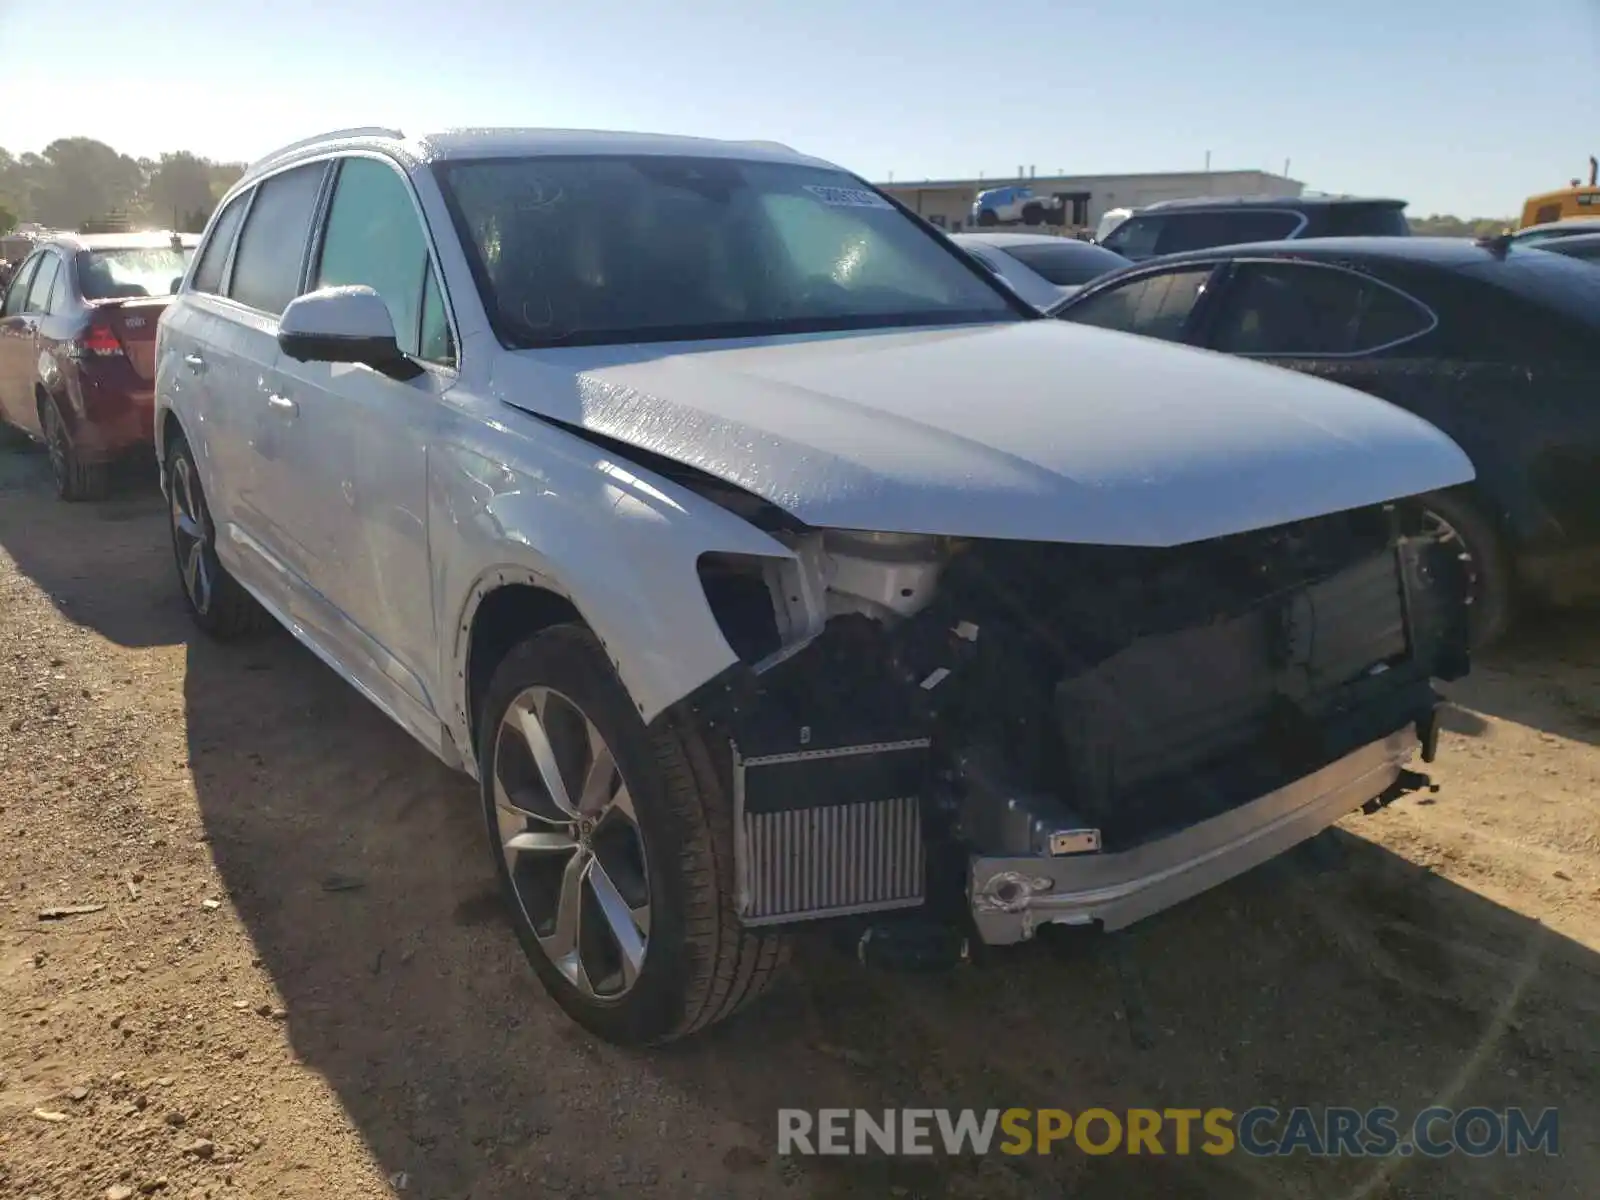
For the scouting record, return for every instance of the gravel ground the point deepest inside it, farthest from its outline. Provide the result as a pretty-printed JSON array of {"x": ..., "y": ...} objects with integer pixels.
[{"x": 292, "y": 978}]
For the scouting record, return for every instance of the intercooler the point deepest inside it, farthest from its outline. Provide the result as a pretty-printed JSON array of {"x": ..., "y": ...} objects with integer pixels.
[{"x": 827, "y": 832}]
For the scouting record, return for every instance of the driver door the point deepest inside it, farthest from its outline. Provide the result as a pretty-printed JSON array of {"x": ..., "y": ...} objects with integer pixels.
[{"x": 362, "y": 453}]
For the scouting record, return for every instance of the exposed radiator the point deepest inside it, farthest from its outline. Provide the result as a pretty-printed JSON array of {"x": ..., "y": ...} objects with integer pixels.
[{"x": 824, "y": 833}]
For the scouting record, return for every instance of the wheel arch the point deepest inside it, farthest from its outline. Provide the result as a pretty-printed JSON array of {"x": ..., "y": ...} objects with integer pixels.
[
  {"x": 41, "y": 397},
  {"x": 168, "y": 429},
  {"x": 506, "y": 607}
]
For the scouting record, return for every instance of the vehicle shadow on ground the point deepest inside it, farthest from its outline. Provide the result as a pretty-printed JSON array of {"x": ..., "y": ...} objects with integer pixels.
[
  {"x": 1546, "y": 675},
  {"x": 80, "y": 554},
  {"x": 1341, "y": 974}
]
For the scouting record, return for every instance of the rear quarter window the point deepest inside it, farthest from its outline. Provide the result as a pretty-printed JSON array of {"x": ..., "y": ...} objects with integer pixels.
[
  {"x": 214, "y": 254},
  {"x": 1309, "y": 310}
]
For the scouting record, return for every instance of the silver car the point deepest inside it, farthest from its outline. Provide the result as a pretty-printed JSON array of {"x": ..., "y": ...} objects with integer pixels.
[
  {"x": 1041, "y": 268},
  {"x": 766, "y": 561}
]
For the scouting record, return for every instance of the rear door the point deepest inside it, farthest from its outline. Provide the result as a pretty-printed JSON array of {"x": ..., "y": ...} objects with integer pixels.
[
  {"x": 269, "y": 513},
  {"x": 16, "y": 349},
  {"x": 33, "y": 362},
  {"x": 194, "y": 337}
]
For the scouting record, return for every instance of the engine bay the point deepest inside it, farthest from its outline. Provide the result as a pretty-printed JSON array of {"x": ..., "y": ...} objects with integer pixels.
[{"x": 1053, "y": 699}]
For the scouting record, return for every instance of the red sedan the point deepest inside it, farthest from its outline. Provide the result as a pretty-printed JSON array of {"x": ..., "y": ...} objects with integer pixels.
[{"x": 77, "y": 348}]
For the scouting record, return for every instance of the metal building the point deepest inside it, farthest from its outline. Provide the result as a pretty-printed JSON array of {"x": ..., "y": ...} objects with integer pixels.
[{"x": 1086, "y": 198}]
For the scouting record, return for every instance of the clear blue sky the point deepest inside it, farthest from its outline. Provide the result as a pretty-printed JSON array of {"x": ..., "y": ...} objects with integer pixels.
[{"x": 1461, "y": 106}]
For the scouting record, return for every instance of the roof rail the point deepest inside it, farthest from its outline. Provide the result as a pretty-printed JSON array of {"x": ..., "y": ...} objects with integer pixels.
[
  {"x": 354, "y": 131},
  {"x": 770, "y": 145}
]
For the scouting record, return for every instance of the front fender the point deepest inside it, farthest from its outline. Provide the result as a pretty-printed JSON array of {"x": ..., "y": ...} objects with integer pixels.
[{"x": 618, "y": 542}]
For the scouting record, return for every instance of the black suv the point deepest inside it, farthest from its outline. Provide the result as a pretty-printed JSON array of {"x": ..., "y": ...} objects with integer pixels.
[{"x": 1172, "y": 226}]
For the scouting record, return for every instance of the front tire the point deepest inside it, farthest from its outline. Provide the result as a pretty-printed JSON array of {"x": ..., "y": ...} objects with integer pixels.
[
  {"x": 75, "y": 479},
  {"x": 987, "y": 217},
  {"x": 1458, "y": 524},
  {"x": 216, "y": 601},
  {"x": 613, "y": 844}
]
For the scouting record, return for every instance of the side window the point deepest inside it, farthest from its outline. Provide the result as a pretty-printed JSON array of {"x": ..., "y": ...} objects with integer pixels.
[
  {"x": 266, "y": 266},
  {"x": 1155, "y": 306},
  {"x": 374, "y": 237},
  {"x": 17, "y": 293},
  {"x": 43, "y": 280},
  {"x": 214, "y": 255},
  {"x": 1293, "y": 308},
  {"x": 1203, "y": 230}
]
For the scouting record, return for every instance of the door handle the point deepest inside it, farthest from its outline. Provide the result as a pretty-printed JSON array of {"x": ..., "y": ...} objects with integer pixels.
[
  {"x": 282, "y": 404},
  {"x": 195, "y": 363}
]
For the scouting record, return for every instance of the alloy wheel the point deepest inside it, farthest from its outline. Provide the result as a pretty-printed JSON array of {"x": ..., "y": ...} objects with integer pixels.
[
  {"x": 573, "y": 849},
  {"x": 189, "y": 536}
]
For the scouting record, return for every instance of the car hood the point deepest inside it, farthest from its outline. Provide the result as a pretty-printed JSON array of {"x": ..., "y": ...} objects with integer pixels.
[{"x": 1037, "y": 430}]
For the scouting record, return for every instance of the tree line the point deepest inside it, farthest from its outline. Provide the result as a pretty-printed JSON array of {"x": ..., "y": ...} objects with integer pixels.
[
  {"x": 78, "y": 181},
  {"x": 1473, "y": 227}
]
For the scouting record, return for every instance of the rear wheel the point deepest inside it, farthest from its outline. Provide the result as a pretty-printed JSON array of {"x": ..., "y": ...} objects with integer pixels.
[
  {"x": 613, "y": 846},
  {"x": 75, "y": 479},
  {"x": 216, "y": 601},
  {"x": 1458, "y": 524}
]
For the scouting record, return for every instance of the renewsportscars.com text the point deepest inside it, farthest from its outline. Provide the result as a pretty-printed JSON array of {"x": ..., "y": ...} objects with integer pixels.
[{"x": 1260, "y": 1131}]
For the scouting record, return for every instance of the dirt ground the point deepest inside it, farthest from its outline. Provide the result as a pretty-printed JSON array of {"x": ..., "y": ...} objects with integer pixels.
[{"x": 296, "y": 980}]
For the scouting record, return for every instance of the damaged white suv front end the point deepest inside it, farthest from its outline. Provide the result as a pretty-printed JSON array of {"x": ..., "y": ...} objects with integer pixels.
[{"x": 784, "y": 568}]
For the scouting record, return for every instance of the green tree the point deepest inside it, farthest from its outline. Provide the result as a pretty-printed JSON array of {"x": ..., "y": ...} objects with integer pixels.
[
  {"x": 1446, "y": 226},
  {"x": 79, "y": 181},
  {"x": 179, "y": 186},
  {"x": 84, "y": 180}
]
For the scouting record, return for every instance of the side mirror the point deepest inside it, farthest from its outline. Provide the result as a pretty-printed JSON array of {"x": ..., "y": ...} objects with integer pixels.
[{"x": 344, "y": 325}]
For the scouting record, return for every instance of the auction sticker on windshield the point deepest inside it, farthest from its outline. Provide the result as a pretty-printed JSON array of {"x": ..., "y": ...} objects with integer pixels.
[{"x": 843, "y": 197}]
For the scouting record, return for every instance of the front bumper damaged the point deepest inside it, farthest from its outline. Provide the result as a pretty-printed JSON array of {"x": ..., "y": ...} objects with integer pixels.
[{"x": 1011, "y": 897}]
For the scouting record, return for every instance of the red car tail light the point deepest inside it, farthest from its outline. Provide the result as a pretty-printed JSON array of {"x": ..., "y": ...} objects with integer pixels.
[{"x": 102, "y": 340}]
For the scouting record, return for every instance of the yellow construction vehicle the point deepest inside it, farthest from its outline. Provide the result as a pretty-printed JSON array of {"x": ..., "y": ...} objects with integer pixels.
[{"x": 1576, "y": 200}]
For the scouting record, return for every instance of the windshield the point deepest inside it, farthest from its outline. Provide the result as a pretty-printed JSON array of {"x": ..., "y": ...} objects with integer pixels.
[
  {"x": 593, "y": 249},
  {"x": 126, "y": 273},
  {"x": 1068, "y": 264}
]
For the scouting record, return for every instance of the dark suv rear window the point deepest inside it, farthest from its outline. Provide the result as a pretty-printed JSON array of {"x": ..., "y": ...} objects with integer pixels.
[
  {"x": 1150, "y": 234},
  {"x": 1365, "y": 220}
]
